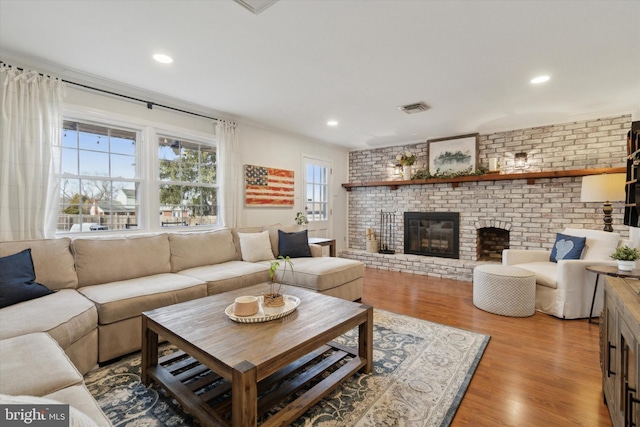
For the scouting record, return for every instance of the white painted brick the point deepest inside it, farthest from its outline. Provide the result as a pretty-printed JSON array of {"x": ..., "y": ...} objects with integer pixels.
[{"x": 532, "y": 213}]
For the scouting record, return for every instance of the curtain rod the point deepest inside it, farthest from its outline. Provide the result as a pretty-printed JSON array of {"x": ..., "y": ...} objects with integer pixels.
[{"x": 149, "y": 104}]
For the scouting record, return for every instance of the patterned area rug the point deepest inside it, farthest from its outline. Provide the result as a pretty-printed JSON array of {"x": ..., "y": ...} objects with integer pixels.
[{"x": 421, "y": 372}]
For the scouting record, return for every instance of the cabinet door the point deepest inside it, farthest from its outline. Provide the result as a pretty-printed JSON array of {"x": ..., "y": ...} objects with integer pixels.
[
  {"x": 610, "y": 358},
  {"x": 628, "y": 385}
]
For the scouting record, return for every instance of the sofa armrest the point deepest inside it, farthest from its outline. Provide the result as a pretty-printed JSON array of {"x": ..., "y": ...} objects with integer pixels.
[
  {"x": 573, "y": 269},
  {"x": 316, "y": 250},
  {"x": 523, "y": 256}
]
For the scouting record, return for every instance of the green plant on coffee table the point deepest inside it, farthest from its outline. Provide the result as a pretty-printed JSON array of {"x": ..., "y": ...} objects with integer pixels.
[
  {"x": 625, "y": 253},
  {"x": 276, "y": 287}
]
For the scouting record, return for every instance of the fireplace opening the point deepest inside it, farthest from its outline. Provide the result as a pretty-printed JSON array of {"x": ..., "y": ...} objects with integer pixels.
[
  {"x": 432, "y": 234},
  {"x": 491, "y": 242}
]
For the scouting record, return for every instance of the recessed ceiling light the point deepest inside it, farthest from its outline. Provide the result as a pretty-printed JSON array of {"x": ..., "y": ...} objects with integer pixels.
[
  {"x": 162, "y": 58},
  {"x": 540, "y": 79},
  {"x": 332, "y": 123}
]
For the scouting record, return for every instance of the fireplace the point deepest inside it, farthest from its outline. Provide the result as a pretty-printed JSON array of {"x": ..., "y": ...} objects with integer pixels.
[
  {"x": 432, "y": 234},
  {"x": 491, "y": 242}
]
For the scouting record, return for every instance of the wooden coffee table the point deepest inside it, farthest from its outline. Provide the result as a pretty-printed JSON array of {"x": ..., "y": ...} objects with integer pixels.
[{"x": 223, "y": 367}]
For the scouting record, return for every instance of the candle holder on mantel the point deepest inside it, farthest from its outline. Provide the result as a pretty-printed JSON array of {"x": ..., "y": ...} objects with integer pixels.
[{"x": 387, "y": 232}]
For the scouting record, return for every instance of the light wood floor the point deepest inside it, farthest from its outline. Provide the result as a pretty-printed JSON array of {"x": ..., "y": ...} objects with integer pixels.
[{"x": 536, "y": 371}]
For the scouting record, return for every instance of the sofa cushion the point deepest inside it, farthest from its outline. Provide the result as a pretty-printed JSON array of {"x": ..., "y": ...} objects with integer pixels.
[
  {"x": 17, "y": 279},
  {"x": 599, "y": 244},
  {"x": 35, "y": 364},
  {"x": 104, "y": 260},
  {"x": 546, "y": 272},
  {"x": 230, "y": 275},
  {"x": 567, "y": 247},
  {"x": 255, "y": 246},
  {"x": 52, "y": 261},
  {"x": 65, "y": 315},
  {"x": 79, "y": 397},
  {"x": 293, "y": 245},
  {"x": 323, "y": 273},
  {"x": 124, "y": 299},
  {"x": 190, "y": 250}
]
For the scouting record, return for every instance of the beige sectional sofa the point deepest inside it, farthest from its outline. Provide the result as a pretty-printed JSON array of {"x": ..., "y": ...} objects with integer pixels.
[{"x": 103, "y": 284}]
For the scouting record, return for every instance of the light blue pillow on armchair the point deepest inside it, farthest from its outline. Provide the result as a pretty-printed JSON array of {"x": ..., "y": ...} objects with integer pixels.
[{"x": 567, "y": 247}]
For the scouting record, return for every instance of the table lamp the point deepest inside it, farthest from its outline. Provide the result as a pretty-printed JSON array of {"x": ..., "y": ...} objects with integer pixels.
[{"x": 605, "y": 188}]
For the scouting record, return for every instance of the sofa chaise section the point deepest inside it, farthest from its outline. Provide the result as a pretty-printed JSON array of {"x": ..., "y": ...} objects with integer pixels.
[
  {"x": 123, "y": 277},
  {"x": 49, "y": 374},
  {"x": 333, "y": 276},
  {"x": 66, "y": 315}
]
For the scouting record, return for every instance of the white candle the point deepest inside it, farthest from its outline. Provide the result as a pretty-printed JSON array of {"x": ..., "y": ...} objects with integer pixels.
[{"x": 493, "y": 164}]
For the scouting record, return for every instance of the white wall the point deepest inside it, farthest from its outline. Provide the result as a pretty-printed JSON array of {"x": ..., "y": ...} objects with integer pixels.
[
  {"x": 257, "y": 146},
  {"x": 263, "y": 147}
]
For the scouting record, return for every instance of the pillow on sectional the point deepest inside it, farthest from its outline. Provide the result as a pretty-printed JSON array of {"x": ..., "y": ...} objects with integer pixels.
[
  {"x": 255, "y": 246},
  {"x": 17, "y": 279},
  {"x": 293, "y": 245},
  {"x": 567, "y": 247}
]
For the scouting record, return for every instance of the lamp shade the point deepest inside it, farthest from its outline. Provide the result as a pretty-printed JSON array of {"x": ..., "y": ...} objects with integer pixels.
[{"x": 608, "y": 187}]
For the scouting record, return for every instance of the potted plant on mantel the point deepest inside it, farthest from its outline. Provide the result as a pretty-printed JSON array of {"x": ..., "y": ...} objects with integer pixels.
[
  {"x": 626, "y": 257},
  {"x": 406, "y": 159},
  {"x": 274, "y": 300}
]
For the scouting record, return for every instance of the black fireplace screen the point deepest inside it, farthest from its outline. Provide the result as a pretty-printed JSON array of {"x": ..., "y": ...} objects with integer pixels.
[{"x": 432, "y": 234}]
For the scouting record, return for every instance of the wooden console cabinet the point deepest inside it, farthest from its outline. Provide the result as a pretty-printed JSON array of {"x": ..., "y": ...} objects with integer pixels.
[{"x": 620, "y": 350}]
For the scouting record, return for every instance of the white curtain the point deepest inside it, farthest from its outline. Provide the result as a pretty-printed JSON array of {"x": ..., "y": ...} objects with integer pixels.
[
  {"x": 31, "y": 124},
  {"x": 227, "y": 137}
]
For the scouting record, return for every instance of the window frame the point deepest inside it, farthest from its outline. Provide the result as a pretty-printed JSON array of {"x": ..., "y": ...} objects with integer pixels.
[
  {"x": 147, "y": 166},
  {"x": 192, "y": 138}
]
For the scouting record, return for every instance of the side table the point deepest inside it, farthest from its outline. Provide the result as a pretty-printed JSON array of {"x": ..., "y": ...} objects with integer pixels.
[
  {"x": 608, "y": 271},
  {"x": 325, "y": 241}
]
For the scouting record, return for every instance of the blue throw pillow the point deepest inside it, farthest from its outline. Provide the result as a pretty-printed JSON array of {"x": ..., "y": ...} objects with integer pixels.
[
  {"x": 567, "y": 247},
  {"x": 293, "y": 245},
  {"x": 17, "y": 279}
]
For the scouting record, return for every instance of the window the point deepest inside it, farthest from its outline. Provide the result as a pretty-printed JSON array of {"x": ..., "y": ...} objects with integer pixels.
[
  {"x": 100, "y": 180},
  {"x": 317, "y": 183},
  {"x": 188, "y": 188}
]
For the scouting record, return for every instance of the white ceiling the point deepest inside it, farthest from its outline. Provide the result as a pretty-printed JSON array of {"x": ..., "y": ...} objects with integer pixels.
[{"x": 300, "y": 63}]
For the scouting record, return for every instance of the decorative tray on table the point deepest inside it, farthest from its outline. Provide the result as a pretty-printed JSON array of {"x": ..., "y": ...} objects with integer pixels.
[{"x": 290, "y": 305}]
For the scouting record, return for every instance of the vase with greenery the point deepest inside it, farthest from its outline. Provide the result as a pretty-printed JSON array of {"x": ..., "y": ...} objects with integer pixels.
[
  {"x": 626, "y": 257},
  {"x": 274, "y": 298},
  {"x": 406, "y": 159}
]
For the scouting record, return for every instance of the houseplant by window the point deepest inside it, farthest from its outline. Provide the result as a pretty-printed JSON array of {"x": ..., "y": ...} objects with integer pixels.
[
  {"x": 301, "y": 219},
  {"x": 626, "y": 257}
]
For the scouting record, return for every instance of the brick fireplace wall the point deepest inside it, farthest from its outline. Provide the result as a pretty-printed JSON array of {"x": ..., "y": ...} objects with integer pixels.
[{"x": 531, "y": 213}]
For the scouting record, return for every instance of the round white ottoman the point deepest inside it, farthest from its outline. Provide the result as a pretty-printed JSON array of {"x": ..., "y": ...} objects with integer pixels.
[{"x": 504, "y": 290}]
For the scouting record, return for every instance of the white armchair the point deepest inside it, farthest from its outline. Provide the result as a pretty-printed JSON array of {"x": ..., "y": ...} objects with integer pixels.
[{"x": 565, "y": 289}]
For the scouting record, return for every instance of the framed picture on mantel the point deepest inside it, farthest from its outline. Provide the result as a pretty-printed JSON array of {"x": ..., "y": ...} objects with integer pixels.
[{"x": 453, "y": 154}]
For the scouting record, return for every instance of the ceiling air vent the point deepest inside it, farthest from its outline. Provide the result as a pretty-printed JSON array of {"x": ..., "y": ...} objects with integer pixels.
[{"x": 414, "y": 108}]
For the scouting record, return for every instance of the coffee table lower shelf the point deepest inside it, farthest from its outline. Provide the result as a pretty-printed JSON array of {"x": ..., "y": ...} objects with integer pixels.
[{"x": 207, "y": 396}]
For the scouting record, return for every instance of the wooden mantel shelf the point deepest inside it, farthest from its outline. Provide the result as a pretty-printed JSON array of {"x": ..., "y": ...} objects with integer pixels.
[{"x": 529, "y": 176}]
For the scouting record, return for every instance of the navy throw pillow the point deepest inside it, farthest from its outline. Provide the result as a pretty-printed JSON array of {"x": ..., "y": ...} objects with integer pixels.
[
  {"x": 567, "y": 247},
  {"x": 17, "y": 279},
  {"x": 293, "y": 245}
]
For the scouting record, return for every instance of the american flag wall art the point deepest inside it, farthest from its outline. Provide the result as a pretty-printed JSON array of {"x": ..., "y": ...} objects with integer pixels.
[{"x": 268, "y": 186}]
